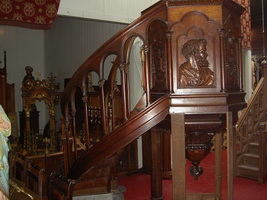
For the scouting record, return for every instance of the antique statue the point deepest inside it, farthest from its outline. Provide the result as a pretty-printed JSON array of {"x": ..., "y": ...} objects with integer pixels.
[
  {"x": 29, "y": 76},
  {"x": 195, "y": 71},
  {"x": 27, "y": 81},
  {"x": 5, "y": 132}
]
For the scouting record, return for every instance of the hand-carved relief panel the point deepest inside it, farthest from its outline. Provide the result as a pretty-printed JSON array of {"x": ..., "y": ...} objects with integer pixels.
[
  {"x": 195, "y": 70},
  {"x": 157, "y": 43},
  {"x": 196, "y": 52}
]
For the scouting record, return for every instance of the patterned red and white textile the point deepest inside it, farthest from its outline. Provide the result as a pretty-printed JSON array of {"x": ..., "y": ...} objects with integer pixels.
[
  {"x": 245, "y": 23},
  {"x": 39, "y": 14}
]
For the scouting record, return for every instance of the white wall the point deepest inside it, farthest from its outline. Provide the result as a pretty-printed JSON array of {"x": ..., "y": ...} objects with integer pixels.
[
  {"x": 24, "y": 47},
  {"x": 71, "y": 41},
  {"x": 60, "y": 50},
  {"x": 124, "y": 11}
]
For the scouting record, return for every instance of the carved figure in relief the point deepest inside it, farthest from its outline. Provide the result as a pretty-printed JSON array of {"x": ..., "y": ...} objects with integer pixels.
[{"x": 195, "y": 71}]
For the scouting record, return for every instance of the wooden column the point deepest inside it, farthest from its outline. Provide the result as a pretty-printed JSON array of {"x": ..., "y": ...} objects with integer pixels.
[
  {"x": 178, "y": 157},
  {"x": 230, "y": 153},
  {"x": 156, "y": 173},
  {"x": 218, "y": 166}
]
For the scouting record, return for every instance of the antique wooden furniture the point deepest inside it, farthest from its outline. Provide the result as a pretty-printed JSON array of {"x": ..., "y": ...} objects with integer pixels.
[
  {"x": 33, "y": 172},
  {"x": 19, "y": 191},
  {"x": 7, "y": 92},
  {"x": 35, "y": 178},
  {"x": 191, "y": 70},
  {"x": 60, "y": 187},
  {"x": 19, "y": 167},
  {"x": 41, "y": 90}
]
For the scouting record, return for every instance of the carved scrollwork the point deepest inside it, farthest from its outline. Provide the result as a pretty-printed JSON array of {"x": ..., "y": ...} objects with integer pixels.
[
  {"x": 231, "y": 65},
  {"x": 159, "y": 66},
  {"x": 157, "y": 52},
  {"x": 101, "y": 83},
  {"x": 195, "y": 70}
]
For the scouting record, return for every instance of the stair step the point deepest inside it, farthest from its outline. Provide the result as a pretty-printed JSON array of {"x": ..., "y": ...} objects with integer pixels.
[
  {"x": 251, "y": 155},
  {"x": 250, "y": 159},
  {"x": 113, "y": 195},
  {"x": 253, "y": 148},
  {"x": 248, "y": 171}
]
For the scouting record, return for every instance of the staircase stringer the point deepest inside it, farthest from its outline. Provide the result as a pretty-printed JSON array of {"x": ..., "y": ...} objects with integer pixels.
[{"x": 250, "y": 131}]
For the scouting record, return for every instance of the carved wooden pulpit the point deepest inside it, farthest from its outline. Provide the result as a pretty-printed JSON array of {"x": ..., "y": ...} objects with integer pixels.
[
  {"x": 203, "y": 58},
  {"x": 192, "y": 82}
]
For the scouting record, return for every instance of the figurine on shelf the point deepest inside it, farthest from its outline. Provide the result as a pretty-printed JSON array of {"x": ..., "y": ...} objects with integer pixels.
[{"x": 5, "y": 132}]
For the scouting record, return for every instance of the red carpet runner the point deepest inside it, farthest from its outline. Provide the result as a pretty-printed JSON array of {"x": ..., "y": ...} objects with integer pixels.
[{"x": 138, "y": 186}]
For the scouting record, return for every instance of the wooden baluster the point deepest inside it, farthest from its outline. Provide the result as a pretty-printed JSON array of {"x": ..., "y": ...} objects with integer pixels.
[
  {"x": 123, "y": 91},
  {"x": 103, "y": 110},
  {"x": 86, "y": 122},
  {"x": 91, "y": 114},
  {"x": 73, "y": 113},
  {"x": 99, "y": 116},
  {"x": 85, "y": 102},
  {"x": 95, "y": 117},
  {"x": 147, "y": 74},
  {"x": 110, "y": 116},
  {"x": 169, "y": 61}
]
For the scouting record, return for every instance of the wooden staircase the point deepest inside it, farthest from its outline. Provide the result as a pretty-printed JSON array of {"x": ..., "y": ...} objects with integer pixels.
[
  {"x": 208, "y": 104},
  {"x": 251, "y": 139}
]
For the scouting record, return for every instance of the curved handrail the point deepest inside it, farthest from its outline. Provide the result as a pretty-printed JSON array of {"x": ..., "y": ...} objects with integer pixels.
[
  {"x": 121, "y": 137},
  {"x": 112, "y": 45}
]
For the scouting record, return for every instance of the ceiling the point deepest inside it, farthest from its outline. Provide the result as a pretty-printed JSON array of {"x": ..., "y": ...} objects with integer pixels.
[{"x": 256, "y": 26}]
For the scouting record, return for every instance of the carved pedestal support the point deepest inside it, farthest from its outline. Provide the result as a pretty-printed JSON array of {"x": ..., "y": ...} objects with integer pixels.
[
  {"x": 178, "y": 157},
  {"x": 156, "y": 174},
  {"x": 179, "y": 160}
]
